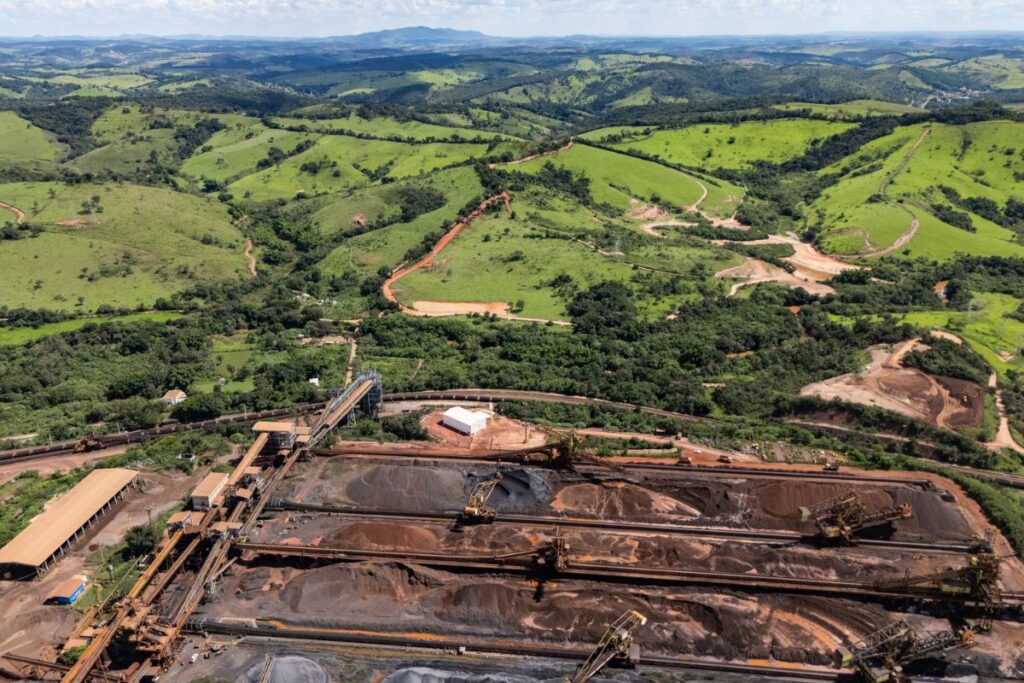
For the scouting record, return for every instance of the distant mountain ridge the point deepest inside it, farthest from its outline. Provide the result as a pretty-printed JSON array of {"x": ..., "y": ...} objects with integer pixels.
[{"x": 415, "y": 36}]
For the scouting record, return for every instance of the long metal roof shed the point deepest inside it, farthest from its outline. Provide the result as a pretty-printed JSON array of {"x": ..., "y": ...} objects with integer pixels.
[{"x": 66, "y": 517}]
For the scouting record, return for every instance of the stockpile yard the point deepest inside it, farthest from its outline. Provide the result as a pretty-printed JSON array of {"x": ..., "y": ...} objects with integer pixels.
[
  {"x": 499, "y": 552},
  {"x": 371, "y": 561}
]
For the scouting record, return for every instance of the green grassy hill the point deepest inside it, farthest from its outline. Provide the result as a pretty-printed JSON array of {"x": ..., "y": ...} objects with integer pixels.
[
  {"x": 345, "y": 162},
  {"x": 553, "y": 248},
  {"x": 853, "y": 109},
  {"x": 899, "y": 177},
  {"x": 616, "y": 179},
  {"x": 728, "y": 145},
  {"x": 144, "y": 244},
  {"x": 386, "y": 247},
  {"x": 384, "y": 126},
  {"x": 21, "y": 143},
  {"x": 234, "y": 152}
]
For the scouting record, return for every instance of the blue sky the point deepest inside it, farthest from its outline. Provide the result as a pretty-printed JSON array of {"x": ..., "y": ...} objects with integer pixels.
[{"x": 502, "y": 17}]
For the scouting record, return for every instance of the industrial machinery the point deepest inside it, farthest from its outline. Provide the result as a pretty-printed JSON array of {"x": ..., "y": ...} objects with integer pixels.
[
  {"x": 87, "y": 443},
  {"x": 615, "y": 645},
  {"x": 564, "y": 451},
  {"x": 839, "y": 519},
  {"x": 477, "y": 511},
  {"x": 977, "y": 580},
  {"x": 881, "y": 656},
  {"x": 552, "y": 556}
]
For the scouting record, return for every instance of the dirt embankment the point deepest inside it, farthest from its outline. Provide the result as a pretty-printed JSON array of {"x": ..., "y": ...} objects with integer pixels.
[{"x": 941, "y": 401}]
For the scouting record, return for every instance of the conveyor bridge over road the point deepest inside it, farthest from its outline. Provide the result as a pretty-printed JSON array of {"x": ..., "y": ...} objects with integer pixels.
[{"x": 366, "y": 392}]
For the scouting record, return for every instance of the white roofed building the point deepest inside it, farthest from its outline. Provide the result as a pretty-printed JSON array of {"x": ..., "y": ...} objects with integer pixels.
[{"x": 464, "y": 421}]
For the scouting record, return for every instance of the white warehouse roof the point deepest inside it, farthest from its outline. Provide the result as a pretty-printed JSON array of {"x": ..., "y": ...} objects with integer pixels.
[{"x": 465, "y": 421}]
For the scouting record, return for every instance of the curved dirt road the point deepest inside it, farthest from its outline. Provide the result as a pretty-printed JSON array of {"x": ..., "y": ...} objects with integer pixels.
[
  {"x": 899, "y": 243},
  {"x": 19, "y": 215}
]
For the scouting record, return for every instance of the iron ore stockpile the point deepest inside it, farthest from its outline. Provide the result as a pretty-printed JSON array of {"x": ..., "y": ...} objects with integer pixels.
[
  {"x": 511, "y": 554},
  {"x": 416, "y": 564}
]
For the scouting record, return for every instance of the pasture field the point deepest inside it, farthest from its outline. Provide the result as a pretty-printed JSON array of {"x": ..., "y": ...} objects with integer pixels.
[
  {"x": 130, "y": 120},
  {"x": 985, "y": 327},
  {"x": 131, "y": 155},
  {"x": 501, "y": 259},
  {"x": 384, "y": 127},
  {"x": 21, "y": 143},
  {"x": 235, "y": 151},
  {"x": 110, "y": 85},
  {"x": 179, "y": 86},
  {"x": 14, "y": 336},
  {"x": 144, "y": 243},
  {"x": 735, "y": 145},
  {"x": 615, "y": 179},
  {"x": 852, "y": 109},
  {"x": 999, "y": 71},
  {"x": 341, "y": 159},
  {"x": 231, "y": 353},
  {"x": 365, "y": 253},
  {"x": 976, "y": 160},
  {"x": 340, "y": 213}
]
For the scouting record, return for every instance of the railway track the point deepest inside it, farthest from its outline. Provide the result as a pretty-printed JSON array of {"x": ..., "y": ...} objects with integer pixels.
[
  {"x": 536, "y": 650},
  {"x": 473, "y": 395},
  {"x": 523, "y": 562},
  {"x": 771, "y": 536},
  {"x": 144, "y": 435}
]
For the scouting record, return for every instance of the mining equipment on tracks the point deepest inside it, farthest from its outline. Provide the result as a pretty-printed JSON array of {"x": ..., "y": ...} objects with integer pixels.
[
  {"x": 564, "y": 451},
  {"x": 839, "y": 519},
  {"x": 615, "y": 646},
  {"x": 881, "y": 656},
  {"x": 976, "y": 580},
  {"x": 87, "y": 443},
  {"x": 477, "y": 511}
]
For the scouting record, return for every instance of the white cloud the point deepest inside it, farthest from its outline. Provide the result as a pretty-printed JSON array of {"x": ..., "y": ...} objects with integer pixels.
[{"x": 504, "y": 17}]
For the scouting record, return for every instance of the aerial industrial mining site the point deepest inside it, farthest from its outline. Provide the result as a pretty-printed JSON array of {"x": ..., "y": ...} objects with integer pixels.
[{"x": 503, "y": 552}]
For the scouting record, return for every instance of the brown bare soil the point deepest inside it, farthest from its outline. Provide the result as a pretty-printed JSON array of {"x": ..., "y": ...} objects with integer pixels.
[
  {"x": 754, "y": 271},
  {"x": 501, "y": 433},
  {"x": 942, "y": 401},
  {"x": 75, "y": 222},
  {"x": 446, "y": 308}
]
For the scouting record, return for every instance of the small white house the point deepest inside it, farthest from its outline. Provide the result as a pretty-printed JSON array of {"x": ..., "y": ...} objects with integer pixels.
[
  {"x": 174, "y": 397},
  {"x": 464, "y": 421}
]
